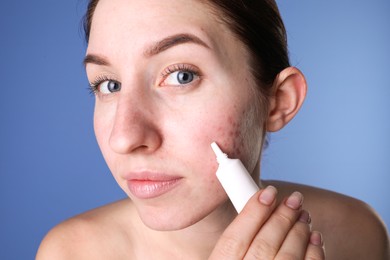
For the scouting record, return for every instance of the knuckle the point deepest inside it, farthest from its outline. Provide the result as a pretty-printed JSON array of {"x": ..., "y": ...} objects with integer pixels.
[
  {"x": 301, "y": 231},
  {"x": 284, "y": 220},
  {"x": 231, "y": 247},
  {"x": 261, "y": 249}
]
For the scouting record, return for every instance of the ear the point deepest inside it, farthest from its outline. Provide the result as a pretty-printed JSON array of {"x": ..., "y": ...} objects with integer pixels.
[{"x": 289, "y": 91}]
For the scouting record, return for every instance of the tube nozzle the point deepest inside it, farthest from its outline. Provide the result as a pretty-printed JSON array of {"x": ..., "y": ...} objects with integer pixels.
[{"x": 218, "y": 152}]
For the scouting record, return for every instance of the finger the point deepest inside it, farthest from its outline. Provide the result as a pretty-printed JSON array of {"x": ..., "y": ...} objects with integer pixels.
[
  {"x": 238, "y": 236},
  {"x": 271, "y": 236},
  {"x": 296, "y": 243},
  {"x": 315, "y": 249}
]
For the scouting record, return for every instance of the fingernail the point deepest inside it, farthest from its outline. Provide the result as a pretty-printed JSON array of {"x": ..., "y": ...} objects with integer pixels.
[
  {"x": 316, "y": 238},
  {"x": 295, "y": 200},
  {"x": 268, "y": 195},
  {"x": 305, "y": 217}
]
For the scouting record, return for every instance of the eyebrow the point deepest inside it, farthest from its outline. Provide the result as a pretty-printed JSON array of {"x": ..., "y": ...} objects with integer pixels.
[
  {"x": 154, "y": 49},
  {"x": 95, "y": 59},
  {"x": 172, "y": 41}
]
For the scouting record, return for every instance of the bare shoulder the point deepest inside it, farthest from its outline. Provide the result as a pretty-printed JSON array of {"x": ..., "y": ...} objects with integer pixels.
[
  {"x": 351, "y": 228},
  {"x": 90, "y": 235}
]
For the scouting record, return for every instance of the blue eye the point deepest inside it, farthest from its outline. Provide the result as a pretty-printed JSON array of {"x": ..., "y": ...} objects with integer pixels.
[
  {"x": 180, "y": 78},
  {"x": 180, "y": 75},
  {"x": 104, "y": 85},
  {"x": 109, "y": 86}
]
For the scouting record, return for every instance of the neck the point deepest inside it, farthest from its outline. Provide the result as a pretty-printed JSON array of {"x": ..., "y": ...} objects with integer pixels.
[{"x": 206, "y": 232}]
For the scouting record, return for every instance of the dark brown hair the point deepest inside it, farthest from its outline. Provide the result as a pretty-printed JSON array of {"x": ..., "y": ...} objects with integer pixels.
[{"x": 87, "y": 20}]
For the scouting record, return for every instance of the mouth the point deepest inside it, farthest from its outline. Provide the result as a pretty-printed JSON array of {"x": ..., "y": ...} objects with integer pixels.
[{"x": 148, "y": 186}]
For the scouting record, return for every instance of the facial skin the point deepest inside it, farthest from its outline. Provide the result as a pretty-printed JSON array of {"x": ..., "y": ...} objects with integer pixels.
[{"x": 154, "y": 126}]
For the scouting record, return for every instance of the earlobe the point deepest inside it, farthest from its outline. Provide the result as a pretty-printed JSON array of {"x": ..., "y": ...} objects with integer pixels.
[{"x": 289, "y": 91}]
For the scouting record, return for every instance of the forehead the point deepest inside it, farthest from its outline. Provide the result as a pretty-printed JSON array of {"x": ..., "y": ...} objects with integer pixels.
[
  {"x": 139, "y": 10},
  {"x": 126, "y": 23}
]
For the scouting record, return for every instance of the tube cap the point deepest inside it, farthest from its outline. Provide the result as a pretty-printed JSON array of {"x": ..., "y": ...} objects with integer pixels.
[{"x": 218, "y": 152}]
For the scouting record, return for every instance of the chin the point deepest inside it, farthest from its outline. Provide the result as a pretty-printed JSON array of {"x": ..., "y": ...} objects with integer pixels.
[{"x": 174, "y": 218}]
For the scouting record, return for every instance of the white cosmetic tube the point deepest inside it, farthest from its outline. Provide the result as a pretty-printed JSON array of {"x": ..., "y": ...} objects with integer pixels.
[{"x": 235, "y": 179}]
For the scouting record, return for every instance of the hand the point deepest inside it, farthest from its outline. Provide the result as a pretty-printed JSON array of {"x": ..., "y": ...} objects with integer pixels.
[{"x": 264, "y": 230}]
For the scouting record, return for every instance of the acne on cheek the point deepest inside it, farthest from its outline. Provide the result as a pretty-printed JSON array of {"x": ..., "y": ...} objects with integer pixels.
[{"x": 231, "y": 138}]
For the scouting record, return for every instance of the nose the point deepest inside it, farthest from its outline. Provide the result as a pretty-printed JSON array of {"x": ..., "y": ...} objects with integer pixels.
[{"x": 134, "y": 128}]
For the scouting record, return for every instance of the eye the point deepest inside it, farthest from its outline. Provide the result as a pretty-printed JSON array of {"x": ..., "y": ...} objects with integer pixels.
[
  {"x": 109, "y": 86},
  {"x": 180, "y": 78},
  {"x": 179, "y": 75},
  {"x": 103, "y": 85}
]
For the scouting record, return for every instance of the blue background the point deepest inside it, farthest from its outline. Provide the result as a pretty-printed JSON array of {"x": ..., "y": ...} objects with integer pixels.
[{"x": 52, "y": 169}]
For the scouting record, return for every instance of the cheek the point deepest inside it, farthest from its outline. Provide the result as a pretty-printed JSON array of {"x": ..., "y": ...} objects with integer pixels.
[
  {"x": 102, "y": 129},
  {"x": 99, "y": 127},
  {"x": 236, "y": 134},
  {"x": 231, "y": 134},
  {"x": 229, "y": 137},
  {"x": 239, "y": 136}
]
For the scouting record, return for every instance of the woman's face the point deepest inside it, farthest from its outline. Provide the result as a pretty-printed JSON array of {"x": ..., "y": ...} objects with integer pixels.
[{"x": 171, "y": 80}]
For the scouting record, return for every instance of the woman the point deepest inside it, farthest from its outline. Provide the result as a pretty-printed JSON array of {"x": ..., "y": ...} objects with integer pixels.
[{"x": 170, "y": 77}]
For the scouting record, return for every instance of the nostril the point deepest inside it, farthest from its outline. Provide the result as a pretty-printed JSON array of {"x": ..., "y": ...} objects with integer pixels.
[{"x": 141, "y": 148}]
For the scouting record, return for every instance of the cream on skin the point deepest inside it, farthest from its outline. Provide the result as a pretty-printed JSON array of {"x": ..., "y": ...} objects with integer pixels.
[{"x": 155, "y": 133}]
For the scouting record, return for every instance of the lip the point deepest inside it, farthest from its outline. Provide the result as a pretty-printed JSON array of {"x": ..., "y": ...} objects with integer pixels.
[{"x": 147, "y": 185}]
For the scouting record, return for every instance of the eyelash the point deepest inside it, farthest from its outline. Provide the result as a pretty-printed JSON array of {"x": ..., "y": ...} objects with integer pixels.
[
  {"x": 94, "y": 85},
  {"x": 180, "y": 67}
]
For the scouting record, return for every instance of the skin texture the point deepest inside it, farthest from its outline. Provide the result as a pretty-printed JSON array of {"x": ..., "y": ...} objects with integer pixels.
[
  {"x": 153, "y": 127},
  {"x": 149, "y": 126}
]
